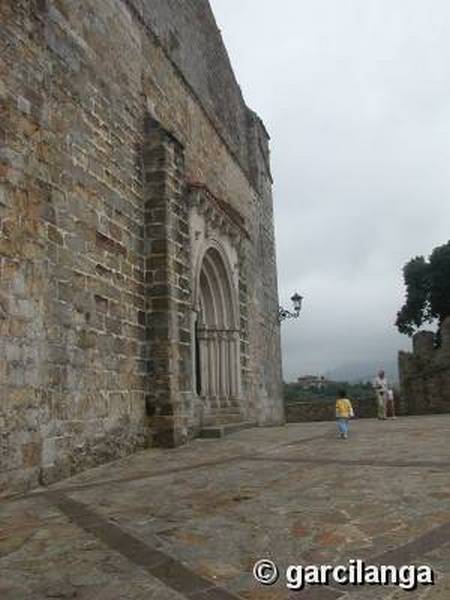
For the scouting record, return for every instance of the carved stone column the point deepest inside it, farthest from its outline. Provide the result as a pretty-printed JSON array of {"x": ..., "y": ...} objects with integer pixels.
[
  {"x": 224, "y": 372},
  {"x": 212, "y": 364},
  {"x": 204, "y": 366}
]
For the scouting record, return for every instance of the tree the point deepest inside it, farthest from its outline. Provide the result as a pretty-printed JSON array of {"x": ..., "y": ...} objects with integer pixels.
[{"x": 427, "y": 291}]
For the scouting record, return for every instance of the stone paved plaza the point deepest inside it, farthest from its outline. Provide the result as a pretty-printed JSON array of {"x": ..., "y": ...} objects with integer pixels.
[{"x": 191, "y": 522}]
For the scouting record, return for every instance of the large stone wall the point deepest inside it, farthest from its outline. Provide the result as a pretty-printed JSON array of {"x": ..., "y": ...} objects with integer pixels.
[
  {"x": 108, "y": 114},
  {"x": 425, "y": 373},
  {"x": 188, "y": 34}
]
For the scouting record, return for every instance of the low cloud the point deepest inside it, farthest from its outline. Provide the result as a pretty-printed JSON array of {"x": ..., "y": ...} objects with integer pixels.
[{"x": 355, "y": 97}]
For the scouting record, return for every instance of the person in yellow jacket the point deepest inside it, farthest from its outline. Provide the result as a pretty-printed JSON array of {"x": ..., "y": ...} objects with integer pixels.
[{"x": 344, "y": 412}]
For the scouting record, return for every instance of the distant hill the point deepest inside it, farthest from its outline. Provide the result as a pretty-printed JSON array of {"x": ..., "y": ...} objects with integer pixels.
[{"x": 362, "y": 372}]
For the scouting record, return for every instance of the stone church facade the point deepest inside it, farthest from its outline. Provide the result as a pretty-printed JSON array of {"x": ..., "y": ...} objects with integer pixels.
[{"x": 138, "y": 292}]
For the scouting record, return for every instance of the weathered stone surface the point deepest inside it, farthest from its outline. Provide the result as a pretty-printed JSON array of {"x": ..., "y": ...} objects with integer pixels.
[
  {"x": 111, "y": 109},
  {"x": 425, "y": 374},
  {"x": 296, "y": 494}
]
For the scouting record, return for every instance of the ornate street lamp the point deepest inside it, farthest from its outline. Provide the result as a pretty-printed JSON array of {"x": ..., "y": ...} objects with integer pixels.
[{"x": 283, "y": 313}]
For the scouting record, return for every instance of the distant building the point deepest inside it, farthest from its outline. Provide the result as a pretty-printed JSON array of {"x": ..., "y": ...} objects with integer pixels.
[{"x": 313, "y": 381}]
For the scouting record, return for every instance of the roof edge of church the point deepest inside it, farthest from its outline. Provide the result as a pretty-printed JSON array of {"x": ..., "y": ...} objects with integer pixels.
[{"x": 228, "y": 112}]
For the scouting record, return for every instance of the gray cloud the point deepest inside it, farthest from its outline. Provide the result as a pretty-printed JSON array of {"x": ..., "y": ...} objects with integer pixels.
[{"x": 355, "y": 96}]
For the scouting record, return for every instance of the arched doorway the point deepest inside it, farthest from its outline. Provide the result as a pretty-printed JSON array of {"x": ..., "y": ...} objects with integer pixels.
[{"x": 217, "y": 343}]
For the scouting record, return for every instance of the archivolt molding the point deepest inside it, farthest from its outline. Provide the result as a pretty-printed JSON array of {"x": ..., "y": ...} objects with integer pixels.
[
  {"x": 205, "y": 266},
  {"x": 216, "y": 231},
  {"x": 214, "y": 224}
]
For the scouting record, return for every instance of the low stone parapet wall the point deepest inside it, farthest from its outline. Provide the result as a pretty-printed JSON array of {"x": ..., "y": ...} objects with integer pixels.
[{"x": 324, "y": 410}]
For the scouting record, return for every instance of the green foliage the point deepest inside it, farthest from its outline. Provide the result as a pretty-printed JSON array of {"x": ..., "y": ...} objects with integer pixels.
[
  {"x": 439, "y": 282},
  {"x": 427, "y": 291},
  {"x": 294, "y": 392}
]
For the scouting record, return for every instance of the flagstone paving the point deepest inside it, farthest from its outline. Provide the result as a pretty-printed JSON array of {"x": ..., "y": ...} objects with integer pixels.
[{"x": 191, "y": 522}]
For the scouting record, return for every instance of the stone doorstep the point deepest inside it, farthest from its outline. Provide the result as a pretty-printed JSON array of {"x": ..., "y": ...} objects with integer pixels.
[
  {"x": 219, "y": 431},
  {"x": 222, "y": 418}
]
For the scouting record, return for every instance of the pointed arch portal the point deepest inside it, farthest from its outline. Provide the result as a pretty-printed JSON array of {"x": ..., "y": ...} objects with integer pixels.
[{"x": 217, "y": 344}]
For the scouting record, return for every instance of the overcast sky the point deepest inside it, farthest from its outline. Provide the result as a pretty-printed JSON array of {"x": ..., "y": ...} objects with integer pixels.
[{"x": 356, "y": 97}]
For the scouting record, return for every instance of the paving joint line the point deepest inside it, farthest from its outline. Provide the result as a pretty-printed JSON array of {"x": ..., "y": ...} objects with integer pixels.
[
  {"x": 180, "y": 578},
  {"x": 406, "y": 554},
  {"x": 236, "y": 458},
  {"x": 170, "y": 471},
  {"x": 170, "y": 571},
  {"x": 305, "y": 440},
  {"x": 364, "y": 463},
  {"x": 96, "y": 484}
]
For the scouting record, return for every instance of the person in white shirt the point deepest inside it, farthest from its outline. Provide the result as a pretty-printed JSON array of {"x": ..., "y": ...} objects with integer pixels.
[
  {"x": 390, "y": 403},
  {"x": 381, "y": 389}
]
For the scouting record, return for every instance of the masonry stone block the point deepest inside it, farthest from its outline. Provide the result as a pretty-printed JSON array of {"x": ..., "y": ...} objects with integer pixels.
[
  {"x": 425, "y": 373},
  {"x": 98, "y": 274}
]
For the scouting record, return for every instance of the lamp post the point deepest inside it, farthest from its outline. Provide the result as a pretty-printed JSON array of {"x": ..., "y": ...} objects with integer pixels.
[{"x": 284, "y": 314}]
